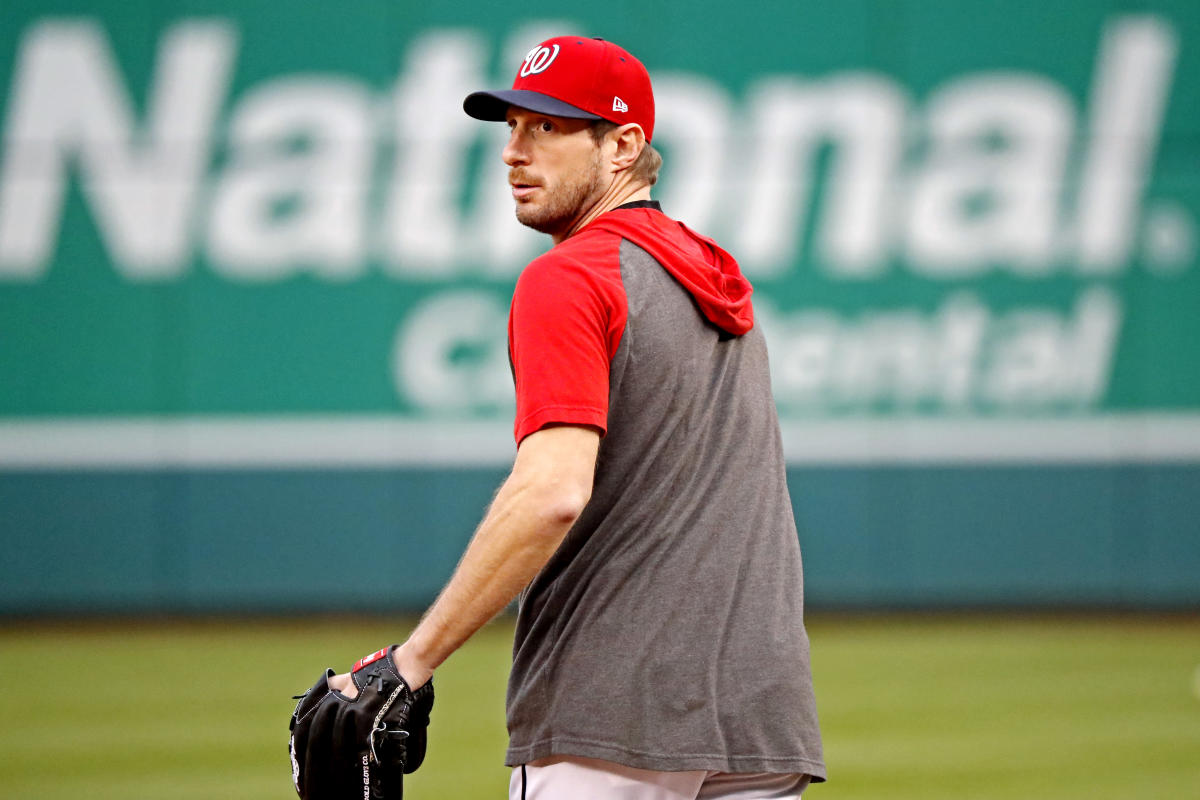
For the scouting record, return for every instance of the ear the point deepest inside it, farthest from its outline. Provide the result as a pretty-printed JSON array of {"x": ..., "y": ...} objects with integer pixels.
[{"x": 629, "y": 141}]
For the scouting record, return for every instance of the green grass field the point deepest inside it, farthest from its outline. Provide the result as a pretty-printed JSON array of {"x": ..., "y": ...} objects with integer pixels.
[{"x": 940, "y": 707}]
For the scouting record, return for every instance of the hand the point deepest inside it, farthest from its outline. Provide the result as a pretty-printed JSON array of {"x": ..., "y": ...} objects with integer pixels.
[
  {"x": 414, "y": 673},
  {"x": 345, "y": 684},
  {"x": 335, "y": 726}
]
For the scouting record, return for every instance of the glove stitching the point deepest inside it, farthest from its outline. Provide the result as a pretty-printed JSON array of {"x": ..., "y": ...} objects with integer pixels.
[
  {"x": 403, "y": 687},
  {"x": 317, "y": 704}
]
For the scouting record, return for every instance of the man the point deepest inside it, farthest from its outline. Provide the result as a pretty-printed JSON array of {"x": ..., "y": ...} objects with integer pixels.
[{"x": 660, "y": 649}]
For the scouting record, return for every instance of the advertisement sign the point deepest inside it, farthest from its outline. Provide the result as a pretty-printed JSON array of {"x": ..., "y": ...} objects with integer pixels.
[{"x": 237, "y": 239}]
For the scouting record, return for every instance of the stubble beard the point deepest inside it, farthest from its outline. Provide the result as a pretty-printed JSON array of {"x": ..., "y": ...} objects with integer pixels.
[{"x": 564, "y": 204}]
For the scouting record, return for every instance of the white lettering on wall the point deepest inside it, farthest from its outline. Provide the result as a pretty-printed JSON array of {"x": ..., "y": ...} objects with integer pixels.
[
  {"x": 423, "y": 228},
  {"x": 845, "y": 172},
  {"x": 293, "y": 193},
  {"x": 1129, "y": 94},
  {"x": 69, "y": 109},
  {"x": 1044, "y": 360},
  {"x": 863, "y": 117},
  {"x": 840, "y": 177},
  {"x": 959, "y": 357},
  {"x": 692, "y": 122},
  {"x": 450, "y": 354},
  {"x": 989, "y": 190}
]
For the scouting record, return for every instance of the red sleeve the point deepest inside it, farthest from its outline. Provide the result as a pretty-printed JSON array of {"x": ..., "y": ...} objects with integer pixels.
[{"x": 568, "y": 314}]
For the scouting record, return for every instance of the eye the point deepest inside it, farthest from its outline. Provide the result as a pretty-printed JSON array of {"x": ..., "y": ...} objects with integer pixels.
[{"x": 546, "y": 126}]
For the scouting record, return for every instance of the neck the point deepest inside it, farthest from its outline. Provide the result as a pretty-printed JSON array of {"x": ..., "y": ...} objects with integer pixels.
[{"x": 621, "y": 191}]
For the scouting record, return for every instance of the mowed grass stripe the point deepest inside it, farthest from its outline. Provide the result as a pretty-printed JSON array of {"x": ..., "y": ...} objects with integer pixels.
[
  {"x": 200, "y": 710},
  {"x": 987, "y": 707},
  {"x": 912, "y": 707}
]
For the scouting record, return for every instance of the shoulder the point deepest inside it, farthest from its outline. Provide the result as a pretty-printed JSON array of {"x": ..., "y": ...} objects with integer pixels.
[
  {"x": 589, "y": 258},
  {"x": 590, "y": 247}
]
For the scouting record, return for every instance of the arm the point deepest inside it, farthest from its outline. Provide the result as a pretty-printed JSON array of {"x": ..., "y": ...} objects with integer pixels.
[{"x": 550, "y": 483}]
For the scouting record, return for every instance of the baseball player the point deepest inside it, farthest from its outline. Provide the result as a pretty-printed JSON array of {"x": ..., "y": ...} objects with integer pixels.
[{"x": 646, "y": 525}]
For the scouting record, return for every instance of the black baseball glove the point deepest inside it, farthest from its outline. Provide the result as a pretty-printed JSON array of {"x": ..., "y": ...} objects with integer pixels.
[{"x": 359, "y": 749}]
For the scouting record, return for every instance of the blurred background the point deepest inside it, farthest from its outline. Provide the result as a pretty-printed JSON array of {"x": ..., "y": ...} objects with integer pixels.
[{"x": 254, "y": 272}]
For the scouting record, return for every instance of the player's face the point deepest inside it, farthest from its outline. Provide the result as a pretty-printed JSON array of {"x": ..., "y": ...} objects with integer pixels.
[{"x": 555, "y": 170}]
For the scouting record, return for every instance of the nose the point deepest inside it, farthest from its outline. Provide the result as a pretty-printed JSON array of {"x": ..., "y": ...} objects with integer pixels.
[{"x": 515, "y": 152}]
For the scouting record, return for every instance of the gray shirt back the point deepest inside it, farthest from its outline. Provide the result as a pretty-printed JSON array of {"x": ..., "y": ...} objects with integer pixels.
[{"x": 667, "y": 631}]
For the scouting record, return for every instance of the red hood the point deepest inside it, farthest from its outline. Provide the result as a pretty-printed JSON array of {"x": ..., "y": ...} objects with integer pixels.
[{"x": 711, "y": 275}]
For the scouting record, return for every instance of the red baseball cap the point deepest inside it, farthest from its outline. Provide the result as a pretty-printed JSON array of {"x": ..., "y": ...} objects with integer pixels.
[{"x": 571, "y": 76}]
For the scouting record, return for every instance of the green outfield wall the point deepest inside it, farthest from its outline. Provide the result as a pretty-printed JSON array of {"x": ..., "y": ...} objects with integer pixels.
[{"x": 255, "y": 265}]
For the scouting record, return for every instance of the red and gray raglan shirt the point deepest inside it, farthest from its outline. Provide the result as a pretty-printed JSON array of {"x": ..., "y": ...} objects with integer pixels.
[{"x": 667, "y": 631}]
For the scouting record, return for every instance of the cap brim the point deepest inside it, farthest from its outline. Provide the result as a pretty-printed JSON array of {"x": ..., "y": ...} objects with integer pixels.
[{"x": 493, "y": 106}]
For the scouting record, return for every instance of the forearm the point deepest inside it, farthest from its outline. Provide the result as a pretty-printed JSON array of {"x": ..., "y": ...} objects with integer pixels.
[
  {"x": 514, "y": 541},
  {"x": 531, "y": 514}
]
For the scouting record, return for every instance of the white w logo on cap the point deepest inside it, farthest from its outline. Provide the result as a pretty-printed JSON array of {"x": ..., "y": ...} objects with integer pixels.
[{"x": 537, "y": 59}]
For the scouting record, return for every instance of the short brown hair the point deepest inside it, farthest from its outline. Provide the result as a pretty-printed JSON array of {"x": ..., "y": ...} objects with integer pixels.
[{"x": 648, "y": 163}]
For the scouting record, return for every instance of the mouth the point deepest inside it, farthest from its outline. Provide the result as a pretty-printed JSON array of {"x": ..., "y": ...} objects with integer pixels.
[
  {"x": 522, "y": 187},
  {"x": 521, "y": 191}
]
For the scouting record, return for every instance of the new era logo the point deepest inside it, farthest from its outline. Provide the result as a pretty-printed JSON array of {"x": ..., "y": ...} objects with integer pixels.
[{"x": 619, "y": 105}]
